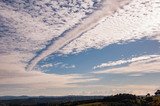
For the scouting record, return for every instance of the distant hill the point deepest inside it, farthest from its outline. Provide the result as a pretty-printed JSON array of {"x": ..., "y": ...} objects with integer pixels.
[
  {"x": 115, "y": 100},
  {"x": 29, "y": 101},
  {"x": 13, "y": 97}
]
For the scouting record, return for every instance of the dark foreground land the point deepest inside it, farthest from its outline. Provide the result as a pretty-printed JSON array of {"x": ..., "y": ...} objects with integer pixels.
[{"x": 116, "y": 100}]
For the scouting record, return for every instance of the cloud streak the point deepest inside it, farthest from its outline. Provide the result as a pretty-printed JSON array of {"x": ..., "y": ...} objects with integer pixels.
[
  {"x": 151, "y": 64},
  {"x": 120, "y": 62},
  {"x": 59, "y": 64}
]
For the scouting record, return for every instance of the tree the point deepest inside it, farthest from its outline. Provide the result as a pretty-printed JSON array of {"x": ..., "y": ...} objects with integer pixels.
[
  {"x": 157, "y": 93},
  {"x": 148, "y": 95}
]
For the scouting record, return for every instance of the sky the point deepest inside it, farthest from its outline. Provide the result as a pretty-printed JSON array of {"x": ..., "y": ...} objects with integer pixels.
[{"x": 79, "y": 47}]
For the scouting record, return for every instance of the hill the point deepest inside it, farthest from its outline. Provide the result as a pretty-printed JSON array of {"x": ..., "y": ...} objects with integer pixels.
[{"x": 115, "y": 100}]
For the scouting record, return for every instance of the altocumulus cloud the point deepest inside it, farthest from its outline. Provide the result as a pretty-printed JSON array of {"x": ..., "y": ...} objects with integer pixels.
[
  {"x": 107, "y": 9},
  {"x": 121, "y": 27},
  {"x": 31, "y": 31},
  {"x": 28, "y": 27}
]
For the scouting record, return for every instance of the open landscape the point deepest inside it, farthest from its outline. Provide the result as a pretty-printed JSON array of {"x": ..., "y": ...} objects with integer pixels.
[{"x": 114, "y": 100}]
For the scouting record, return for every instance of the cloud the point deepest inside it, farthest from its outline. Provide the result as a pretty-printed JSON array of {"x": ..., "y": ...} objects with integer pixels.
[
  {"x": 58, "y": 64},
  {"x": 47, "y": 65},
  {"x": 115, "y": 89},
  {"x": 68, "y": 66},
  {"x": 28, "y": 27},
  {"x": 139, "y": 67},
  {"x": 13, "y": 77},
  {"x": 120, "y": 62},
  {"x": 84, "y": 26},
  {"x": 138, "y": 19},
  {"x": 32, "y": 31},
  {"x": 17, "y": 75},
  {"x": 115, "y": 21}
]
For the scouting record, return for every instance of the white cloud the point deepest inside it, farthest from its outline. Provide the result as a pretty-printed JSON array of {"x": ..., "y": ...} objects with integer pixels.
[
  {"x": 22, "y": 35},
  {"x": 85, "y": 25},
  {"x": 148, "y": 65},
  {"x": 27, "y": 27},
  {"x": 68, "y": 66},
  {"x": 59, "y": 64},
  {"x": 138, "y": 19},
  {"x": 103, "y": 27},
  {"x": 13, "y": 77},
  {"x": 47, "y": 65},
  {"x": 120, "y": 62}
]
